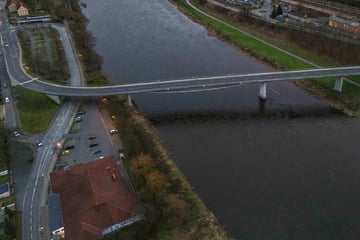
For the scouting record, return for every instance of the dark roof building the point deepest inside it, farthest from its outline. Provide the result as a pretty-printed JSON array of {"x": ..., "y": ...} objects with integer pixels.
[
  {"x": 94, "y": 199},
  {"x": 55, "y": 215}
]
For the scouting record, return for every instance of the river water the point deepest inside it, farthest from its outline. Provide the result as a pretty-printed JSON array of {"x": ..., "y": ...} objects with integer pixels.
[{"x": 286, "y": 169}]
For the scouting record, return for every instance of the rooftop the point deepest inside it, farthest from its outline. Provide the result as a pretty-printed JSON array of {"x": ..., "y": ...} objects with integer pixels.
[{"x": 93, "y": 197}]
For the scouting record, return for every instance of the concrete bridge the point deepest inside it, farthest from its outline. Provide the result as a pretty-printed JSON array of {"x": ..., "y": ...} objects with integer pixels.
[{"x": 197, "y": 83}]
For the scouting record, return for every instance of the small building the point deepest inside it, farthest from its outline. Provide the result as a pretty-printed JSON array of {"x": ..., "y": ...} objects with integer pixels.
[
  {"x": 12, "y": 6},
  {"x": 56, "y": 222},
  {"x": 94, "y": 199},
  {"x": 22, "y": 10},
  {"x": 4, "y": 190}
]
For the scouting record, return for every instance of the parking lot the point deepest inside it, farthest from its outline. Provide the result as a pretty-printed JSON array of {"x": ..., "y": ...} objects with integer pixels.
[{"x": 90, "y": 137}]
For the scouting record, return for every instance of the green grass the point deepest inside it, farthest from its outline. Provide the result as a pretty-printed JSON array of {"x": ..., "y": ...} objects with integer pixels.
[
  {"x": 4, "y": 179},
  {"x": 36, "y": 111},
  {"x": 18, "y": 220},
  {"x": 249, "y": 42}
]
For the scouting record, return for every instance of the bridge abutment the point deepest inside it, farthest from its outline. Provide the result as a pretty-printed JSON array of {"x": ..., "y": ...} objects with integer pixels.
[
  {"x": 55, "y": 98},
  {"x": 338, "y": 84},
  {"x": 262, "y": 92}
]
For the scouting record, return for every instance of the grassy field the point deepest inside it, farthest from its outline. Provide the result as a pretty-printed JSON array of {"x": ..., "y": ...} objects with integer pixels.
[{"x": 36, "y": 111}]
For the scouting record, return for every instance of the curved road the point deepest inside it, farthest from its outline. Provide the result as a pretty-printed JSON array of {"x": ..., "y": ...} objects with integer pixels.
[{"x": 190, "y": 83}]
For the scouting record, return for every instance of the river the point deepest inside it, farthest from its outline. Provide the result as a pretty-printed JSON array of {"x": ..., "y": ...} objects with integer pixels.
[{"x": 286, "y": 169}]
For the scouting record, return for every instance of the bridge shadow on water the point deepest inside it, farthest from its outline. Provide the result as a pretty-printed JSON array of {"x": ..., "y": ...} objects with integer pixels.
[{"x": 262, "y": 113}]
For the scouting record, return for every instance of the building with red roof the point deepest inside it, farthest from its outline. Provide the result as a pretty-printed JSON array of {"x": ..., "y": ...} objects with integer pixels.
[{"x": 95, "y": 200}]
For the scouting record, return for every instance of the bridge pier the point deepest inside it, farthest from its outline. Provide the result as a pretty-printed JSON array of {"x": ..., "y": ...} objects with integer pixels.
[
  {"x": 338, "y": 84},
  {"x": 262, "y": 92},
  {"x": 128, "y": 100}
]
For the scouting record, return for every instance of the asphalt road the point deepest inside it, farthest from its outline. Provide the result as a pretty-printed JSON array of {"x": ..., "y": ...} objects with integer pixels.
[{"x": 37, "y": 185}]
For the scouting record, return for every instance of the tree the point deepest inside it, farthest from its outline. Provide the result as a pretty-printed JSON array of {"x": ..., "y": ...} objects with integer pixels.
[
  {"x": 9, "y": 213},
  {"x": 156, "y": 182},
  {"x": 279, "y": 10},
  {"x": 9, "y": 227},
  {"x": 273, "y": 14},
  {"x": 142, "y": 164}
]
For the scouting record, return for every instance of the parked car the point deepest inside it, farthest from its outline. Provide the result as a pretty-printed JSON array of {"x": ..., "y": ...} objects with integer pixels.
[
  {"x": 77, "y": 119},
  {"x": 113, "y": 131},
  {"x": 7, "y": 100},
  {"x": 16, "y": 134},
  {"x": 93, "y": 144},
  {"x": 66, "y": 152},
  {"x": 96, "y": 151},
  {"x": 81, "y": 112},
  {"x": 67, "y": 147},
  {"x": 91, "y": 138}
]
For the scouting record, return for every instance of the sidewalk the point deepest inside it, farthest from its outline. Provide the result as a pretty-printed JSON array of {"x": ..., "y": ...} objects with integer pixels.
[{"x": 44, "y": 227}]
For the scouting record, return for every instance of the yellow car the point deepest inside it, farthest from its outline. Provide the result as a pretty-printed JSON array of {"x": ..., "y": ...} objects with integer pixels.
[{"x": 66, "y": 152}]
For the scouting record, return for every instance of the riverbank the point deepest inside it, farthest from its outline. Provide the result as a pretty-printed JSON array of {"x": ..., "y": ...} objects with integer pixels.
[
  {"x": 348, "y": 101},
  {"x": 172, "y": 212}
]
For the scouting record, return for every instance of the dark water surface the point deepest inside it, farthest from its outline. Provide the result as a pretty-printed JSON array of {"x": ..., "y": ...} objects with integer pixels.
[{"x": 287, "y": 169}]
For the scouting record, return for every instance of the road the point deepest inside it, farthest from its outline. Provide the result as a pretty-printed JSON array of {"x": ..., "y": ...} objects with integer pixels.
[
  {"x": 37, "y": 185},
  {"x": 36, "y": 190}
]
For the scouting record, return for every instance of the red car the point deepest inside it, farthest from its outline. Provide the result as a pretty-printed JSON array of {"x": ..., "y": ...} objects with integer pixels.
[{"x": 91, "y": 138}]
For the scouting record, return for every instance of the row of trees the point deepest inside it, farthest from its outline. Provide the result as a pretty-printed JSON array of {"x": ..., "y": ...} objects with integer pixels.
[{"x": 353, "y": 3}]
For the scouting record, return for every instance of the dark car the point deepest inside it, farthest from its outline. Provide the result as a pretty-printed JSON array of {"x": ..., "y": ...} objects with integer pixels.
[
  {"x": 81, "y": 112},
  {"x": 69, "y": 147},
  {"x": 93, "y": 144}
]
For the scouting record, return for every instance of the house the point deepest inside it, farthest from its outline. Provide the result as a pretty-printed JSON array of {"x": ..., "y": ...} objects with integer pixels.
[
  {"x": 94, "y": 199},
  {"x": 22, "y": 10},
  {"x": 12, "y": 6}
]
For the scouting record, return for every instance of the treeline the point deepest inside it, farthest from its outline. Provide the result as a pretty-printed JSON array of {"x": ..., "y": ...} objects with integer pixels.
[
  {"x": 352, "y": 3},
  {"x": 69, "y": 12},
  {"x": 322, "y": 42}
]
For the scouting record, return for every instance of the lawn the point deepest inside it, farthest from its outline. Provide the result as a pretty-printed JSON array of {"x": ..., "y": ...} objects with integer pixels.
[{"x": 36, "y": 111}]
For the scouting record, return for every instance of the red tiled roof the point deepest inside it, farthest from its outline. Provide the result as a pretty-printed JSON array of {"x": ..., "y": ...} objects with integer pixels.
[
  {"x": 93, "y": 197},
  {"x": 21, "y": 4}
]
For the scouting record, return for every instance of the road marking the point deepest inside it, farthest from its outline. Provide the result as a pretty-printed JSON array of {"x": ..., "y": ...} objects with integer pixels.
[{"x": 28, "y": 81}]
